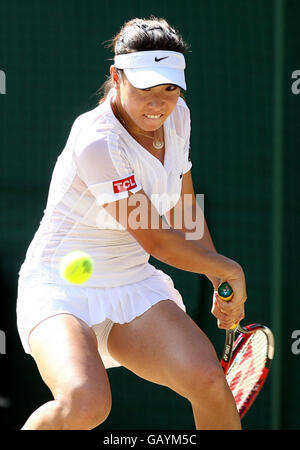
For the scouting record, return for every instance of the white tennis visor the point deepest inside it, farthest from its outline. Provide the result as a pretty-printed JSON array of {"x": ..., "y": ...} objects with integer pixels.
[{"x": 153, "y": 68}]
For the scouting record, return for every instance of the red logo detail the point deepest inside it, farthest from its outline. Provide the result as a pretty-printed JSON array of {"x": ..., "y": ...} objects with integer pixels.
[
  {"x": 238, "y": 397},
  {"x": 124, "y": 185},
  {"x": 248, "y": 354},
  {"x": 235, "y": 380}
]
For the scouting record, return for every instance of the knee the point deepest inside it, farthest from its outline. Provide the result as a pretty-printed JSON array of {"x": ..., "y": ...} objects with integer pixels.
[
  {"x": 205, "y": 383},
  {"x": 84, "y": 406}
]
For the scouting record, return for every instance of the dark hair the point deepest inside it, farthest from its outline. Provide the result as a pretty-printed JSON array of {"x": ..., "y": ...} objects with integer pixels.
[{"x": 139, "y": 35}]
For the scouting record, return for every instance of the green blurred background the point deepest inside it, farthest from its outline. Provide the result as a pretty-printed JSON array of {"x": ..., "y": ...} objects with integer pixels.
[{"x": 245, "y": 154}]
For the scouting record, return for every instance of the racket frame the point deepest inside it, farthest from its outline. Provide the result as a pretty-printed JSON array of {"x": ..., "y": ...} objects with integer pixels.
[{"x": 233, "y": 346}]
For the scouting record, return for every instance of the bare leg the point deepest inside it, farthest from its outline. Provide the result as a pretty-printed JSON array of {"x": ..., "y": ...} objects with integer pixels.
[
  {"x": 165, "y": 346},
  {"x": 65, "y": 351}
]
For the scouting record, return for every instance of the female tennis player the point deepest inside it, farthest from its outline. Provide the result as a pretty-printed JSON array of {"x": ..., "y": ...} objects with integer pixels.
[{"x": 126, "y": 162}]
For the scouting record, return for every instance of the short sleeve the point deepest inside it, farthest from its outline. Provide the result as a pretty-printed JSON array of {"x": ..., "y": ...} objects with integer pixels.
[{"x": 104, "y": 168}]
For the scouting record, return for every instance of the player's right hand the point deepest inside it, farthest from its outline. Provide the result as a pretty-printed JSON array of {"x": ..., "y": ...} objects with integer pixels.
[{"x": 231, "y": 312}]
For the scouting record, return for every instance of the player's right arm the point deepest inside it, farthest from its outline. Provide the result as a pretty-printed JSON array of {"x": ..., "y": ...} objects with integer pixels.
[
  {"x": 104, "y": 173},
  {"x": 168, "y": 245}
]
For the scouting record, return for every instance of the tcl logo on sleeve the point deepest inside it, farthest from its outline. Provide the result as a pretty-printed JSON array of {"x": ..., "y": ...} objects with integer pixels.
[{"x": 124, "y": 185}]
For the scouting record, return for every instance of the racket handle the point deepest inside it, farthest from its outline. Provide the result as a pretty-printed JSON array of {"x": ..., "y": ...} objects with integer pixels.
[{"x": 225, "y": 292}]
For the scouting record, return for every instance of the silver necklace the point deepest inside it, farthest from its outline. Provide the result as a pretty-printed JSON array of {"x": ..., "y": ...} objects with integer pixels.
[{"x": 156, "y": 142}]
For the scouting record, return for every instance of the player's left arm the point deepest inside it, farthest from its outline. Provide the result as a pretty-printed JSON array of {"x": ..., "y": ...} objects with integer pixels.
[{"x": 186, "y": 213}]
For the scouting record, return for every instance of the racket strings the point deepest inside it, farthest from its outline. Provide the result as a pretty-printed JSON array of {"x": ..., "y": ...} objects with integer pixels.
[{"x": 247, "y": 367}]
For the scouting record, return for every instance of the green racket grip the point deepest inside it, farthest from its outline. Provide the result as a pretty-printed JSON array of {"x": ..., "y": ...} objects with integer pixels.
[{"x": 225, "y": 291}]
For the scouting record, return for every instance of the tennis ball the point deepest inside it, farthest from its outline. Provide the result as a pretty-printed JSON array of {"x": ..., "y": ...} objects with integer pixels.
[{"x": 76, "y": 267}]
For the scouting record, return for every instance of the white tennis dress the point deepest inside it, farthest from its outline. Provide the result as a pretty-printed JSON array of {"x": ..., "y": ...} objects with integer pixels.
[{"x": 101, "y": 163}]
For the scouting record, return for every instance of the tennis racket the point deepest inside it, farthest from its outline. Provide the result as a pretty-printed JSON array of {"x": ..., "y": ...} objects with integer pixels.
[{"x": 247, "y": 359}]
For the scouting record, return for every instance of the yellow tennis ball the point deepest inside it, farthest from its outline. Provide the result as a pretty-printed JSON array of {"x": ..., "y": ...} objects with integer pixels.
[{"x": 76, "y": 267}]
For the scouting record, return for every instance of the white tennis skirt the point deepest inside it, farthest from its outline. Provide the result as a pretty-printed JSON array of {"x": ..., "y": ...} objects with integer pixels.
[{"x": 39, "y": 301}]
